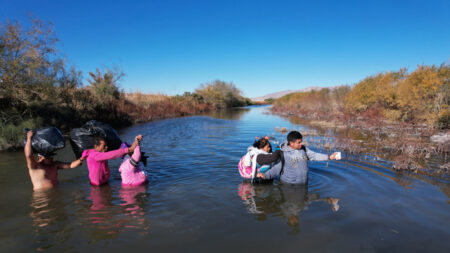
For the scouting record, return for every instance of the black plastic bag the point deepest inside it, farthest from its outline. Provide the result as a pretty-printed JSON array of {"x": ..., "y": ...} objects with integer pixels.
[
  {"x": 46, "y": 141},
  {"x": 83, "y": 138}
]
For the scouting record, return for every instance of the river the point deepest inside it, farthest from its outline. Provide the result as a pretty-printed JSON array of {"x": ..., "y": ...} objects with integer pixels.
[{"x": 196, "y": 201}]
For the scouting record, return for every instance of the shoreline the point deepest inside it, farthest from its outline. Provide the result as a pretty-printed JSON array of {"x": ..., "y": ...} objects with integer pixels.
[
  {"x": 408, "y": 146},
  {"x": 126, "y": 123}
]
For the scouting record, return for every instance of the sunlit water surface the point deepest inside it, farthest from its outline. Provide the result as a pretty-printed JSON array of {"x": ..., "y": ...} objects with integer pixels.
[{"x": 197, "y": 202}]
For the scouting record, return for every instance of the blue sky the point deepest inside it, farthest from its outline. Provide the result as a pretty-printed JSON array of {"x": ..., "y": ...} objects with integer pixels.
[{"x": 261, "y": 46}]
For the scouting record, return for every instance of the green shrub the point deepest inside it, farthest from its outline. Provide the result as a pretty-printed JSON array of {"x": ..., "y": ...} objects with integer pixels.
[
  {"x": 11, "y": 135},
  {"x": 221, "y": 95}
]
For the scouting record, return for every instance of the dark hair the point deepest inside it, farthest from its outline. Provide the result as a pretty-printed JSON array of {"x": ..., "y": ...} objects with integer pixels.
[
  {"x": 98, "y": 138},
  {"x": 261, "y": 143},
  {"x": 293, "y": 136}
]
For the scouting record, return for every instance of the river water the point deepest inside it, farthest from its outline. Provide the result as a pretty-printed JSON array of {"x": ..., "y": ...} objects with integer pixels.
[{"x": 197, "y": 202}]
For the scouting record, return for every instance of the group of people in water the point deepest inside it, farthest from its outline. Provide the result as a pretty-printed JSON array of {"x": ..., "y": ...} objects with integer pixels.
[
  {"x": 44, "y": 171},
  {"x": 289, "y": 163}
]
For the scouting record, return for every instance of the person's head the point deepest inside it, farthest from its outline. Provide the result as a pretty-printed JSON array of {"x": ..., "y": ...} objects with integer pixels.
[
  {"x": 47, "y": 159},
  {"x": 294, "y": 139},
  {"x": 263, "y": 144},
  {"x": 100, "y": 143}
]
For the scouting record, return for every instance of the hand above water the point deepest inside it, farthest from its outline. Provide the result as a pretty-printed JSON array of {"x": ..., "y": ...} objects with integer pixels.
[
  {"x": 138, "y": 138},
  {"x": 136, "y": 142},
  {"x": 333, "y": 156},
  {"x": 30, "y": 134}
]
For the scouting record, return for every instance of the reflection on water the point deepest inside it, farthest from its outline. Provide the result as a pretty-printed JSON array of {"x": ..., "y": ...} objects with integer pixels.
[
  {"x": 41, "y": 213},
  {"x": 109, "y": 215},
  {"x": 48, "y": 216},
  {"x": 133, "y": 206},
  {"x": 101, "y": 202},
  {"x": 353, "y": 205},
  {"x": 283, "y": 200},
  {"x": 232, "y": 114}
]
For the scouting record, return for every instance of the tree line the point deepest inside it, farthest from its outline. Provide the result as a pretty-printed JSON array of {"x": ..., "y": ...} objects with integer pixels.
[
  {"x": 418, "y": 97},
  {"x": 38, "y": 88}
]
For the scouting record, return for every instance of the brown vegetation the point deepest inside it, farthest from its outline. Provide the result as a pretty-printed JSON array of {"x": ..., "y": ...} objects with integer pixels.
[
  {"x": 38, "y": 89},
  {"x": 420, "y": 97},
  {"x": 402, "y": 147},
  {"x": 401, "y": 109},
  {"x": 149, "y": 106}
]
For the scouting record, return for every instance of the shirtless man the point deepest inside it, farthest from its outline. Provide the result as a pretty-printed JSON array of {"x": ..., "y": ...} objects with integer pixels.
[{"x": 44, "y": 171}]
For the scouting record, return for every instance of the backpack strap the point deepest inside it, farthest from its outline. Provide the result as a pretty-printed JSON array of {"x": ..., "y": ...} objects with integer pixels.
[
  {"x": 282, "y": 162},
  {"x": 133, "y": 162},
  {"x": 254, "y": 167},
  {"x": 306, "y": 153}
]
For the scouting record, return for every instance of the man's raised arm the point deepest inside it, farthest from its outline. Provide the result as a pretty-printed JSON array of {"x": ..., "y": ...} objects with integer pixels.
[{"x": 31, "y": 161}]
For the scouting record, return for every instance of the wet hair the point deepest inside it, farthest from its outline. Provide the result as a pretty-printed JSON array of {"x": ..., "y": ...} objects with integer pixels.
[
  {"x": 98, "y": 138},
  {"x": 261, "y": 143},
  {"x": 293, "y": 136},
  {"x": 47, "y": 155}
]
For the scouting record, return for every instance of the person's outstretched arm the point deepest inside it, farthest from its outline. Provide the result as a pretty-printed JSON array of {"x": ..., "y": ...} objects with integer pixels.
[
  {"x": 264, "y": 159},
  {"x": 74, "y": 164},
  {"x": 31, "y": 161},
  {"x": 104, "y": 156},
  {"x": 314, "y": 156},
  {"x": 274, "y": 171}
]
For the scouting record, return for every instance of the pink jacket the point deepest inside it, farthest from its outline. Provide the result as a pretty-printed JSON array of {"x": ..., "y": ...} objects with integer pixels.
[
  {"x": 97, "y": 163},
  {"x": 131, "y": 173}
]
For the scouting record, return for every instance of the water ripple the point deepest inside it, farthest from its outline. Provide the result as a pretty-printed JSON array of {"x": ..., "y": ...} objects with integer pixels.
[{"x": 196, "y": 195}]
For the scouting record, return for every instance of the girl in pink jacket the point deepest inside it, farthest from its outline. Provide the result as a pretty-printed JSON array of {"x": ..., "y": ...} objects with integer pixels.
[
  {"x": 131, "y": 168},
  {"x": 97, "y": 159}
]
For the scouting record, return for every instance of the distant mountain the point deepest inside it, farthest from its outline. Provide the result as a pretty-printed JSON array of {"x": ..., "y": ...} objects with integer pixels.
[{"x": 279, "y": 94}]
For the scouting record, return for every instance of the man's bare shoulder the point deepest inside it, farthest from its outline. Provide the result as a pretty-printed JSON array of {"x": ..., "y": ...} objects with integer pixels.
[{"x": 42, "y": 166}]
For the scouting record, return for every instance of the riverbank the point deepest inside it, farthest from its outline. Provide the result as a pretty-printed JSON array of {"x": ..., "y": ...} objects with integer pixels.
[
  {"x": 407, "y": 112},
  {"x": 410, "y": 147},
  {"x": 119, "y": 113},
  {"x": 38, "y": 89},
  {"x": 82, "y": 105}
]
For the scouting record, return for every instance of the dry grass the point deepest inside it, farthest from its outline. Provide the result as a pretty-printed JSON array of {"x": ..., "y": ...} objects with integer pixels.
[
  {"x": 69, "y": 108},
  {"x": 145, "y": 100},
  {"x": 329, "y": 124},
  {"x": 403, "y": 145}
]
